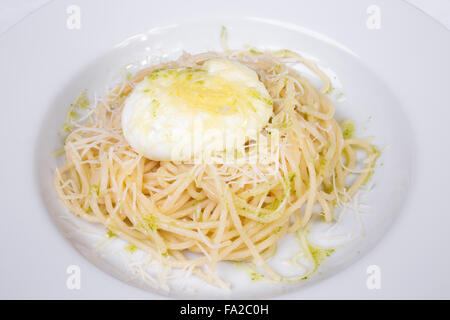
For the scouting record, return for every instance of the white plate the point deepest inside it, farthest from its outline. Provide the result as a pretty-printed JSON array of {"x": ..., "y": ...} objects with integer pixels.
[{"x": 396, "y": 75}]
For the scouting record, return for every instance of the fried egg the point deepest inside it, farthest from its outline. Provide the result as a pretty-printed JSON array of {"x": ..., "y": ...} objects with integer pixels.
[{"x": 180, "y": 114}]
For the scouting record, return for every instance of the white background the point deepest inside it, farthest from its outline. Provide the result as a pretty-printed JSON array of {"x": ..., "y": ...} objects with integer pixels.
[{"x": 12, "y": 11}]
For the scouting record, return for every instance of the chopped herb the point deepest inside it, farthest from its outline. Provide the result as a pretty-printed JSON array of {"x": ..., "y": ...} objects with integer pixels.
[
  {"x": 150, "y": 222},
  {"x": 155, "y": 104},
  {"x": 82, "y": 102},
  {"x": 319, "y": 254},
  {"x": 110, "y": 234},
  {"x": 256, "y": 52},
  {"x": 255, "y": 276},
  {"x": 348, "y": 129},
  {"x": 292, "y": 182},
  {"x": 271, "y": 207},
  {"x": 224, "y": 38},
  {"x": 257, "y": 95},
  {"x": 277, "y": 230},
  {"x": 291, "y": 177},
  {"x": 330, "y": 89},
  {"x": 58, "y": 152},
  {"x": 377, "y": 153},
  {"x": 94, "y": 190},
  {"x": 130, "y": 248}
]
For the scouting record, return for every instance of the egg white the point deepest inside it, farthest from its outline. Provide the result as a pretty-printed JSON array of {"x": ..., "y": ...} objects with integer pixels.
[{"x": 182, "y": 114}]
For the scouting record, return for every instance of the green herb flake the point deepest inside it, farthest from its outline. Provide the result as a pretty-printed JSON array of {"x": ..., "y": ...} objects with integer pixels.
[
  {"x": 348, "y": 129},
  {"x": 151, "y": 222},
  {"x": 291, "y": 177},
  {"x": 330, "y": 89},
  {"x": 94, "y": 190},
  {"x": 155, "y": 74},
  {"x": 377, "y": 153},
  {"x": 255, "y": 276},
  {"x": 224, "y": 38},
  {"x": 277, "y": 230},
  {"x": 319, "y": 254},
  {"x": 255, "y": 52},
  {"x": 82, "y": 102},
  {"x": 130, "y": 248},
  {"x": 257, "y": 95},
  {"x": 111, "y": 234},
  {"x": 273, "y": 206},
  {"x": 66, "y": 127},
  {"x": 292, "y": 182},
  {"x": 58, "y": 152},
  {"x": 155, "y": 104}
]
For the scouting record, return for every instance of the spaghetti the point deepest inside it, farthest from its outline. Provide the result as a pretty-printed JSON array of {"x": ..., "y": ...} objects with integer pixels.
[{"x": 221, "y": 212}]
